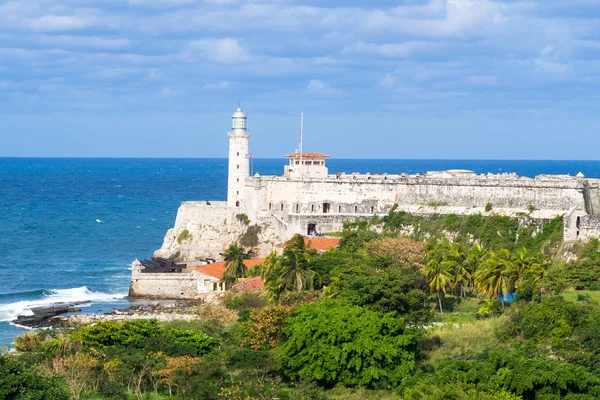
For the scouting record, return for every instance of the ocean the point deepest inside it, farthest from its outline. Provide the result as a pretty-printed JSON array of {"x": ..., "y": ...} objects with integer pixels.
[{"x": 70, "y": 228}]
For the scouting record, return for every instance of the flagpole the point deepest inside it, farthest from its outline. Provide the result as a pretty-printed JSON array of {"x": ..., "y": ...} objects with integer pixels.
[{"x": 301, "y": 134}]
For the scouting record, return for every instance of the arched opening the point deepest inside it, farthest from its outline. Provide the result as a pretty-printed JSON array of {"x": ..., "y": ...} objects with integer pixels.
[
  {"x": 312, "y": 229},
  {"x": 237, "y": 203}
]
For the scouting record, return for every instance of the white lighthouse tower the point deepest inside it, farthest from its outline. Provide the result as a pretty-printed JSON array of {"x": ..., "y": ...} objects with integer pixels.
[{"x": 239, "y": 159}]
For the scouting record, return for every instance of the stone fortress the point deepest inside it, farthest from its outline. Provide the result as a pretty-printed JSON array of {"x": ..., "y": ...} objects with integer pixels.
[{"x": 307, "y": 199}]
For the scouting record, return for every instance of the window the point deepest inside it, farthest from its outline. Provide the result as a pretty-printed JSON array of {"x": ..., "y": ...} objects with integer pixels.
[
  {"x": 372, "y": 210},
  {"x": 238, "y": 179},
  {"x": 312, "y": 208},
  {"x": 355, "y": 209},
  {"x": 237, "y": 203},
  {"x": 270, "y": 206},
  {"x": 297, "y": 207},
  {"x": 238, "y": 192},
  {"x": 308, "y": 162},
  {"x": 238, "y": 167},
  {"x": 578, "y": 224},
  {"x": 281, "y": 206},
  {"x": 339, "y": 209},
  {"x": 214, "y": 287},
  {"x": 238, "y": 153},
  {"x": 297, "y": 162},
  {"x": 325, "y": 208}
]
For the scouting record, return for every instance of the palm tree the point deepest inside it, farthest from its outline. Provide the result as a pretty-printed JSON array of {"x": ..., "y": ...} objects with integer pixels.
[
  {"x": 475, "y": 258},
  {"x": 234, "y": 263},
  {"x": 296, "y": 270},
  {"x": 439, "y": 278},
  {"x": 298, "y": 244},
  {"x": 536, "y": 272},
  {"x": 493, "y": 278}
]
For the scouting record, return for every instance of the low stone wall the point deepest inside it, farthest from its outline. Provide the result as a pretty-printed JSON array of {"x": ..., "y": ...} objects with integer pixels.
[{"x": 164, "y": 286}]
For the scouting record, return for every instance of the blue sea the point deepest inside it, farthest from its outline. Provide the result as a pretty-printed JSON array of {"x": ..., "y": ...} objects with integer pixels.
[{"x": 70, "y": 228}]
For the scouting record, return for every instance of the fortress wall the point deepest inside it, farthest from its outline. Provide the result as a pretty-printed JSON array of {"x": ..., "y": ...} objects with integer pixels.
[
  {"x": 588, "y": 228},
  {"x": 164, "y": 286},
  {"x": 309, "y": 196}
]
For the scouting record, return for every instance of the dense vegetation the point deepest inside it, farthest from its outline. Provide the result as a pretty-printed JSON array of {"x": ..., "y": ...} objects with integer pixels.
[{"x": 406, "y": 308}]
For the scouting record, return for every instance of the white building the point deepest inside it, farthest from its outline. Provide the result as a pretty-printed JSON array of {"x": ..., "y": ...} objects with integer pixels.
[
  {"x": 306, "y": 198},
  {"x": 239, "y": 159}
]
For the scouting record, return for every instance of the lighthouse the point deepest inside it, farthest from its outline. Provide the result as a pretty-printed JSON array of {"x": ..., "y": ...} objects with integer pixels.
[{"x": 239, "y": 159}]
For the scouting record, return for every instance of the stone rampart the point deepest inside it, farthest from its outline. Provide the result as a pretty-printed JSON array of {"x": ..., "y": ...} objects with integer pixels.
[
  {"x": 366, "y": 194},
  {"x": 164, "y": 286}
]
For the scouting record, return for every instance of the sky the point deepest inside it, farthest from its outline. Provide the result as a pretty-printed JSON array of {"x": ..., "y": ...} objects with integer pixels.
[{"x": 449, "y": 79}]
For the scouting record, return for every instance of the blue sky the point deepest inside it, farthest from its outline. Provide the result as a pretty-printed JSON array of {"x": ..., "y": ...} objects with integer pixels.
[{"x": 376, "y": 79}]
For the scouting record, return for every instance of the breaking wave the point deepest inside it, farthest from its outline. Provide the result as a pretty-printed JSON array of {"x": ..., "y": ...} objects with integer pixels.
[{"x": 10, "y": 311}]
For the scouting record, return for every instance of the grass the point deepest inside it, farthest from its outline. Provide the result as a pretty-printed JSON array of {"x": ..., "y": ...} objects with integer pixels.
[
  {"x": 462, "y": 341},
  {"x": 576, "y": 295},
  {"x": 457, "y": 310},
  {"x": 360, "y": 394}
]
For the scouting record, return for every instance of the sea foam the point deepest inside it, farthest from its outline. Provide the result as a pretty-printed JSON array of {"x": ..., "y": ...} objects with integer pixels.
[{"x": 10, "y": 311}]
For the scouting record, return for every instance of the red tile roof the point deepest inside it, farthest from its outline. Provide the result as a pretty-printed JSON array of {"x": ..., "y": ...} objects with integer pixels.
[
  {"x": 249, "y": 284},
  {"x": 308, "y": 155},
  {"x": 320, "y": 243},
  {"x": 217, "y": 269}
]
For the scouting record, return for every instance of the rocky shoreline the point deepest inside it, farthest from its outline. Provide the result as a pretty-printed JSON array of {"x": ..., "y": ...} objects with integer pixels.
[{"x": 53, "y": 316}]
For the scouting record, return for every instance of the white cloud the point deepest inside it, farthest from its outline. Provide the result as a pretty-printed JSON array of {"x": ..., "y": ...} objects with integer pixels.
[
  {"x": 315, "y": 85},
  {"x": 392, "y": 50},
  {"x": 91, "y": 42},
  {"x": 222, "y": 51},
  {"x": 56, "y": 23},
  {"x": 217, "y": 85}
]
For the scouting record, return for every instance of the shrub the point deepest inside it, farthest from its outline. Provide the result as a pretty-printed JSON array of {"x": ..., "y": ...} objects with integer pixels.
[
  {"x": 401, "y": 290},
  {"x": 405, "y": 251},
  {"x": 263, "y": 330},
  {"x": 250, "y": 237},
  {"x": 21, "y": 382},
  {"x": 185, "y": 235},
  {"x": 332, "y": 343},
  {"x": 27, "y": 342},
  {"x": 243, "y": 218},
  {"x": 244, "y": 302},
  {"x": 488, "y": 207}
]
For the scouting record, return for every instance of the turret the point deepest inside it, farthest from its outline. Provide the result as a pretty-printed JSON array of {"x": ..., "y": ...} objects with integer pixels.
[{"x": 239, "y": 159}]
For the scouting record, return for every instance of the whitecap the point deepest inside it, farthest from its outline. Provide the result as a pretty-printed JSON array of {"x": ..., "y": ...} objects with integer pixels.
[
  {"x": 9, "y": 312},
  {"x": 99, "y": 221}
]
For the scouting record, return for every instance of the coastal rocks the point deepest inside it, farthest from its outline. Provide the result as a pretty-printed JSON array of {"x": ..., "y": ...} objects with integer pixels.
[
  {"x": 47, "y": 317},
  {"x": 53, "y": 316},
  {"x": 165, "y": 311}
]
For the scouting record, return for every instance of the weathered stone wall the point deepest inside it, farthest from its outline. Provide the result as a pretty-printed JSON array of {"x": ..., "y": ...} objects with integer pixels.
[
  {"x": 588, "y": 227},
  {"x": 368, "y": 194},
  {"x": 164, "y": 286}
]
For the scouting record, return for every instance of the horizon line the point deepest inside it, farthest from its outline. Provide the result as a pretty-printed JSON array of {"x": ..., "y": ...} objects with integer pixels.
[{"x": 283, "y": 158}]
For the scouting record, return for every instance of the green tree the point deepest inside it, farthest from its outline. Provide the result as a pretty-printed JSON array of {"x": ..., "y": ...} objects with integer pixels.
[
  {"x": 296, "y": 270},
  {"x": 391, "y": 289},
  {"x": 333, "y": 343},
  {"x": 439, "y": 277},
  {"x": 234, "y": 263},
  {"x": 20, "y": 381},
  {"x": 493, "y": 278}
]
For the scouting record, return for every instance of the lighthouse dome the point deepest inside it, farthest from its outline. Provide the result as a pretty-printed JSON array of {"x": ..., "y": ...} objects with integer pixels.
[
  {"x": 238, "y": 120},
  {"x": 239, "y": 114}
]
